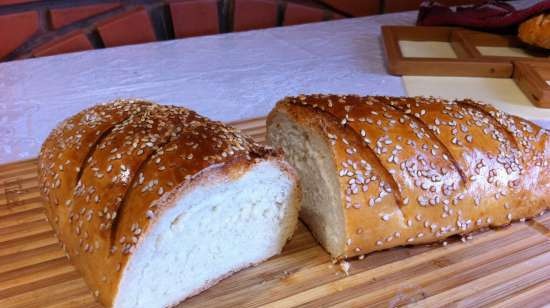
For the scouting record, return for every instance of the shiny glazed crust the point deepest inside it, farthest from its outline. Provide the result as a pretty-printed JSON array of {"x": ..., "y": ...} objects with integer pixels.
[
  {"x": 109, "y": 171},
  {"x": 536, "y": 31},
  {"x": 417, "y": 170}
]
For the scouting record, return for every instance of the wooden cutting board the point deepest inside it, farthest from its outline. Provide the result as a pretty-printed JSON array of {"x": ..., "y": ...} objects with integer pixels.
[{"x": 508, "y": 267}]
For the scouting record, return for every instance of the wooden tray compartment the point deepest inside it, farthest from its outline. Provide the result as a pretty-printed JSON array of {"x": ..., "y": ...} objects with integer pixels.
[
  {"x": 467, "y": 42},
  {"x": 464, "y": 65},
  {"x": 508, "y": 267}
]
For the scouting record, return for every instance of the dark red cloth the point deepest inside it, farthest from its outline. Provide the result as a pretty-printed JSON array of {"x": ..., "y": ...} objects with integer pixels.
[{"x": 496, "y": 16}]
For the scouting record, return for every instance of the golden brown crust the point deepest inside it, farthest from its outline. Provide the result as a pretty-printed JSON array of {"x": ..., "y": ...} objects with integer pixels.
[
  {"x": 453, "y": 167},
  {"x": 536, "y": 31},
  {"x": 103, "y": 170}
]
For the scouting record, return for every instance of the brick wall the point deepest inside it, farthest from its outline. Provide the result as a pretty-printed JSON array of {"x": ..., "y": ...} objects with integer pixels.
[{"x": 34, "y": 28}]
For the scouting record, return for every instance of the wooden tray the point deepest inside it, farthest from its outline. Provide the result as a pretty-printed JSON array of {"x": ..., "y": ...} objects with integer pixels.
[
  {"x": 469, "y": 61},
  {"x": 509, "y": 267}
]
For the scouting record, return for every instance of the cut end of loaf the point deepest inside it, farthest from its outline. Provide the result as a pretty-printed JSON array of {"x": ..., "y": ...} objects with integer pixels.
[
  {"x": 214, "y": 229},
  {"x": 306, "y": 150}
]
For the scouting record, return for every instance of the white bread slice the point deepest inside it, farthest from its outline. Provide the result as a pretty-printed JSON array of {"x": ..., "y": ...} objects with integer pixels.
[{"x": 200, "y": 238}]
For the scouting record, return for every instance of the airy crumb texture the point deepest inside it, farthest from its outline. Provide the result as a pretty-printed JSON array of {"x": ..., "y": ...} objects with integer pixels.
[
  {"x": 109, "y": 173},
  {"x": 380, "y": 172},
  {"x": 310, "y": 155},
  {"x": 201, "y": 239}
]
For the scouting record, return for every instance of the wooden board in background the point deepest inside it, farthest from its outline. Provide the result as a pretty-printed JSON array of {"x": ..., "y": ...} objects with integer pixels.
[
  {"x": 533, "y": 79},
  {"x": 509, "y": 267},
  {"x": 464, "y": 64}
]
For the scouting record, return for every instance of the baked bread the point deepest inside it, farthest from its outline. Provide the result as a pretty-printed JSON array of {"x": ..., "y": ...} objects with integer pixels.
[
  {"x": 380, "y": 172},
  {"x": 154, "y": 203},
  {"x": 536, "y": 31}
]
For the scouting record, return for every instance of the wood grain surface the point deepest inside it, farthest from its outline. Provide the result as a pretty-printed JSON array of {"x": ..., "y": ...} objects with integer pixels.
[
  {"x": 508, "y": 267},
  {"x": 532, "y": 78}
]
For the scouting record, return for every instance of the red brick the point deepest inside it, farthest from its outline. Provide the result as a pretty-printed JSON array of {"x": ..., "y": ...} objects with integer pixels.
[
  {"x": 192, "y": 18},
  {"x": 74, "y": 41},
  {"x": 65, "y": 16},
  {"x": 300, "y": 14},
  {"x": 355, "y": 7},
  {"x": 8, "y": 2},
  {"x": 133, "y": 27},
  {"x": 254, "y": 14},
  {"x": 408, "y": 5},
  {"x": 21, "y": 27}
]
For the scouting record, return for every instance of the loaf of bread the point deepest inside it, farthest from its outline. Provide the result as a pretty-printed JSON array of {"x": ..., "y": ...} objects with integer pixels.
[
  {"x": 380, "y": 172},
  {"x": 536, "y": 31},
  {"x": 154, "y": 203}
]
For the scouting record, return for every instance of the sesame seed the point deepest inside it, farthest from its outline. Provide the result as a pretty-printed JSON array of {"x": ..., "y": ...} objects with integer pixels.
[
  {"x": 371, "y": 202},
  {"x": 385, "y": 217}
]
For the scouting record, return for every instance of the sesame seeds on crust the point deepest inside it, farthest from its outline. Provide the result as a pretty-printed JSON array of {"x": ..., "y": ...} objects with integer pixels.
[{"x": 450, "y": 164}]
